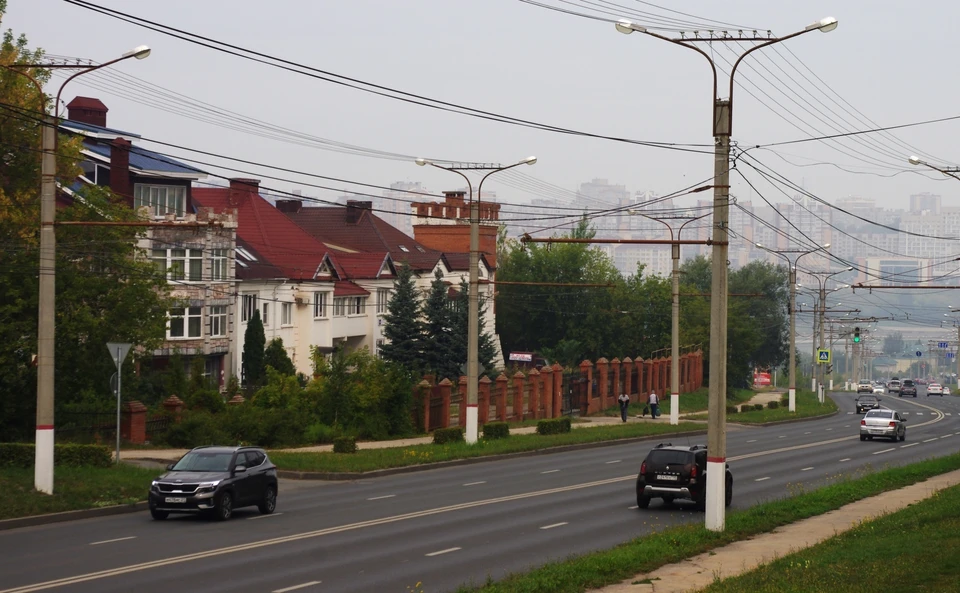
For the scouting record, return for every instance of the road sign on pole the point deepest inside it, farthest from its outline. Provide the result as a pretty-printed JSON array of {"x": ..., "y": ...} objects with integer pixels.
[
  {"x": 118, "y": 351},
  {"x": 919, "y": 353},
  {"x": 823, "y": 356},
  {"x": 943, "y": 344}
]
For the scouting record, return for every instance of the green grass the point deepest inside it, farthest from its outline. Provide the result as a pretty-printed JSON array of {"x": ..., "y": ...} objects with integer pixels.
[
  {"x": 915, "y": 549},
  {"x": 373, "y": 459},
  {"x": 73, "y": 488},
  {"x": 647, "y": 553},
  {"x": 695, "y": 401},
  {"x": 807, "y": 407}
]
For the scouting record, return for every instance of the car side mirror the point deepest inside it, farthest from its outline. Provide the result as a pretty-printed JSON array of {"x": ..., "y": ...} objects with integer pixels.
[
  {"x": 169, "y": 467},
  {"x": 239, "y": 469}
]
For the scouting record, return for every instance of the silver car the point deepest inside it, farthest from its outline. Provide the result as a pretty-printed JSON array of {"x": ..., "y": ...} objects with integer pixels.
[{"x": 883, "y": 423}]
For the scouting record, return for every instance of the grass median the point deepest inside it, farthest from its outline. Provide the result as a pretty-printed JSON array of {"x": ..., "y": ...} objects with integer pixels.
[
  {"x": 695, "y": 401},
  {"x": 647, "y": 553},
  {"x": 807, "y": 407},
  {"x": 374, "y": 459},
  {"x": 74, "y": 488}
]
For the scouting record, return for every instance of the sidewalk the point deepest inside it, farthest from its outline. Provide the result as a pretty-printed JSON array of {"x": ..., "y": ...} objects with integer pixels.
[{"x": 743, "y": 556}]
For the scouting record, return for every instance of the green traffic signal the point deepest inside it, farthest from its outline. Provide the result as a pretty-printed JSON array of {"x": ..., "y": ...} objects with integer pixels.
[{"x": 856, "y": 335}]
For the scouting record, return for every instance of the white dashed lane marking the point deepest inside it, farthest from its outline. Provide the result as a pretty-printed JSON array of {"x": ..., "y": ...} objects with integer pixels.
[
  {"x": 263, "y": 516},
  {"x": 929, "y": 440},
  {"x": 752, "y": 441},
  {"x": 295, "y": 587},
  {"x": 806, "y": 469},
  {"x": 783, "y": 436},
  {"x": 762, "y": 479},
  {"x": 110, "y": 541},
  {"x": 439, "y": 552},
  {"x": 845, "y": 459},
  {"x": 614, "y": 461},
  {"x": 554, "y": 525},
  {"x": 475, "y": 483},
  {"x": 910, "y": 445},
  {"x": 550, "y": 471},
  {"x": 883, "y": 451},
  {"x": 382, "y": 497}
]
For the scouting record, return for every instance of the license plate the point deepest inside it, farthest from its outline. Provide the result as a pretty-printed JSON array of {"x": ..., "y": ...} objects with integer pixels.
[
  {"x": 175, "y": 499},
  {"x": 667, "y": 478},
  {"x": 877, "y": 431}
]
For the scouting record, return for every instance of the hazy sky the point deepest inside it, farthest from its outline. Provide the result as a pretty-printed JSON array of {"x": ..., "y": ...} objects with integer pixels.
[{"x": 890, "y": 61}]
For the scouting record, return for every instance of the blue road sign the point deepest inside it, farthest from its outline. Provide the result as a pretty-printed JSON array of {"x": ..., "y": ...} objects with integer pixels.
[
  {"x": 919, "y": 353},
  {"x": 943, "y": 344}
]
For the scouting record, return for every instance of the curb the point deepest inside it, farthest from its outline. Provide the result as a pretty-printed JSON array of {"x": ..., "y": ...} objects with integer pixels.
[
  {"x": 790, "y": 421},
  {"x": 32, "y": 521}
]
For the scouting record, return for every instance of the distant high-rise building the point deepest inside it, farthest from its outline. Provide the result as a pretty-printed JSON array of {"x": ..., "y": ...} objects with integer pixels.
[{"x": 925, "y": 203}]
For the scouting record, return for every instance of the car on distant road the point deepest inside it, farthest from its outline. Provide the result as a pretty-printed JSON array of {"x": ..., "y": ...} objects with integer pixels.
[
  {"x": 677, "y": 472},
  {"x": 934, "y": 389},
  {"x": 908, "y": 387},
  {"x": 867, "y": 402},
  {"x": 878, "y": 387},
  {"x": 893, "y": 386},
  {"x": 864, "y": 386},
  {"x": 883, "y": 423},
  {"x": 216, "y": 480},
  {"x": 946, "y": 390}
]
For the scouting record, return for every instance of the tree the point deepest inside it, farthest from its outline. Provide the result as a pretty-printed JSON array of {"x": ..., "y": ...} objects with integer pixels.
[
  {"x": 486, "y": 351},
  {"x": 893, "y": 344},
  {"x": 276, "y": 356},
  {"x": 439, "y": 343},
  {"x": 254, "y": 367},
  {"x": 403, "y": 329}
]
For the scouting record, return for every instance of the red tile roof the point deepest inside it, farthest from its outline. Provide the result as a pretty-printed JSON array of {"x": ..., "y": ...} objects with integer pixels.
[
  {"x": 347, "y": 288},
  {"x": 366, "y": 266}
]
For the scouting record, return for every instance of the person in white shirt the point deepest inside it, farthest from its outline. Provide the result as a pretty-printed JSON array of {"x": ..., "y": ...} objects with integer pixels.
[
  {"x": 654, "y": 402},
  {"x": 624, "y": 400}
]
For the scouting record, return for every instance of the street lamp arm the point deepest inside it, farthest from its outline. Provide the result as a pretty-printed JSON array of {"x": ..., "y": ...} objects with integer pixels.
[
  {"x": 914, "y": 160},
  {"x": 138, "y": 53},
  {"x": 626, "y": 26},
  {"x": 422, "y": 162}
]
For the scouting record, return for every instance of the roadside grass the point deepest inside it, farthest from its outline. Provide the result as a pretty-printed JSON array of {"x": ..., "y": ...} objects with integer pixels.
[
  {"x": 74, "y": 488},
  {"x": 914, "y": 549},
  {"x": 373, "y": 459},
  {"x": 695, "y": 401},
  {"x": 807, "y": 407},
  {"x": 644, "y": 554}
]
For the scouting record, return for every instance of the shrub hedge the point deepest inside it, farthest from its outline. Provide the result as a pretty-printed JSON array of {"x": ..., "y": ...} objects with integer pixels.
[
  {"x": 732, "y": 409},
  {"x": 23, "y": 455},
  {"x": 344, "y": 445},
  {"x": 553, "y": 426},
  {"x": 442, "y": 436},
  {"x": 773, "y": 405},
  {"x": 757, "y": 406},
  {"x": 496, "y": 430}
]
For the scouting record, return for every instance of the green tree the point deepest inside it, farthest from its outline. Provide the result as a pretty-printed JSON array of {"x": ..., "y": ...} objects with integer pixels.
[
  {"x": 254, "y": 339},
  {"x": 486, "y": 350},
  {"x": 403, "y": 329},
  {"x": 276, "y": 356},
  {"x": 893, "y": 344},
  {"x": 439, "y": 346}
]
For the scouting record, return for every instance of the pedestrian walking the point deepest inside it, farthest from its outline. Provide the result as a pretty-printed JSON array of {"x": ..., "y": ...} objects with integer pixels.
[
  {"x": 654, "y": 402},
  {"x": 624, "y": 400}
]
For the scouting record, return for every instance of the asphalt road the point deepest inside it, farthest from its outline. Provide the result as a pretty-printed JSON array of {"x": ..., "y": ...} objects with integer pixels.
[{"x": 448, "y": 526}]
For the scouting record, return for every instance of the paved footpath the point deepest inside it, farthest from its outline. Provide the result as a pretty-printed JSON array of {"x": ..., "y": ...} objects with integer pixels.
[{"x": 743, "y": 556}]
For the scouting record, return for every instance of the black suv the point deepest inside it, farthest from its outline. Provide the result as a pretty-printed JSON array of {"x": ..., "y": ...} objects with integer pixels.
[
  {"x": 216, "y": 480},
  {"x": 670, "y": 473},
  {"x": 908, "y": 387},
  {"x": 867, "y": 402}
]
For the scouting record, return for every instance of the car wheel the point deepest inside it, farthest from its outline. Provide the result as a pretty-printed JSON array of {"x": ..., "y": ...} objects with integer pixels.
[
  {"x": 643, "y": 501},
  {"x": 269, "y": 502},
  {"x": 863, "y": 437},
  {"x": 159, "y": 515},
  {"x": 903, "y": 437},
  {"x": 224, "y": 507}
]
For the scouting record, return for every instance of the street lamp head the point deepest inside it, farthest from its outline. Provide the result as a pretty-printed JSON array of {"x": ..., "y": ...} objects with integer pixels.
[
  {"x": 421, "y": 162},
  {"x": 626, "y": 27},
  {"x": 914, "y": 160},
  {"x": 530, "y": 160},
  {"x": 849, "y": 268},
  {"x": 139, "y": 52},
  {"x": 759, "y": 246},
  {"x": 825, "y": 25}
]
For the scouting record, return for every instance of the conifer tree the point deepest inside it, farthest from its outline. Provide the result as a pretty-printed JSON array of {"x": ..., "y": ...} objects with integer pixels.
[
  {"x": 254, "y": 369},
  {"x": 403, "y": 329},
  {"x": 439, "y": 348}
]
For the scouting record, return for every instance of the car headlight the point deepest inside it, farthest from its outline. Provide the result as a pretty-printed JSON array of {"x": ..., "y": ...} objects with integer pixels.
[{"x": 205, "y": 485}]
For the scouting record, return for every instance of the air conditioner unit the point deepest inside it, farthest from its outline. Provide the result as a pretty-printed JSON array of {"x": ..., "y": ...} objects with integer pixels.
[{"x": 302, "y": 299}]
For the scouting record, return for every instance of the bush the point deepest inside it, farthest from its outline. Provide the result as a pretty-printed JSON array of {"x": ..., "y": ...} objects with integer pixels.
[
  {"x": 757, "y": 406},
  {"x": 732, "y": 409},
  {"x": 265, "y": 427},
  {"x": 344, "y": 445},
  {"x": 773, "y": 405},
  {"x": 496, "y": 430},
  {"x": 746, "y": 407},
  {"x": 442, "y": 436},
  {"x": 554, "y": 426},
  {"x": 320, "y": 433},
  {"x": 195, "y": 429},
  {"x": 23, "y": 455}
]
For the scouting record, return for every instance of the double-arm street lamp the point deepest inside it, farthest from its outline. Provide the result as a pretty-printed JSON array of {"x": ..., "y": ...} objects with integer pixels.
[
  {"x": 792, "y": 267},
  {"x": 46, "y": 328},
  {"x": 721, "y": 127},
  {"x": 473, "y": 311},
  {"x": 822, "y": 278}
]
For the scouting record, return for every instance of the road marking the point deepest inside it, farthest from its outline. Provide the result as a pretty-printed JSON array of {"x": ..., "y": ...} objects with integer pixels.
[
  {"x": 806, "y": 469},
  {"x": 946, "y": 435},
  {"x": 808, "y": 432},
  {"x": 382, "y": 497},
  {"x": 845, "y": 459},
  {"x": 849, "y": 413},
  {"x": 829, "y": 429},
  {"x": 783, "y": 436},
  {"x": 634, "y": 507},
  {"x": 752, "y": 441},
  {"x": 884, "y": 451},
  {"x": 554, "y": 525},
  {"x": 447, "y": 551},
  {"x": 264, "y": 516},
  {"x": 475, "y": 483},
  {"x": 614, "y": 461},
  {"x": 110, "y": 541},
  {"x": 762, "y": 479},
  {"x": 846, "y": 426},
  {"x": 550, "y": 471},
  {"x": 295, "y": 587},
  {"x": 947, "y": 414},
  {"x": 910, "y": 445},
  {"x": 928, "y": 440},
  {"x": 919, "y": 413}
]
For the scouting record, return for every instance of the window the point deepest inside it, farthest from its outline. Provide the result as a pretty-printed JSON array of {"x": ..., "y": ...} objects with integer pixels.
[
  {"x": 403, "y": 248},
  {"x": 286, "y": 314},
  {"x": 248, "y": 304},
  {"x": 266, "y": 314},
  {"x": 180, "y": 264},
  {"x": 218, "y": 264},
  {"x": 383, "y": 297},
  {"x": 339, "y": 307},
  {"x": 186, "y": 322},
  {"x": 356, "y": 305},
  {"x": 319, "y": 304},
  {"x": 161, "y": 199},
  {"x": 218, "y": 320}
]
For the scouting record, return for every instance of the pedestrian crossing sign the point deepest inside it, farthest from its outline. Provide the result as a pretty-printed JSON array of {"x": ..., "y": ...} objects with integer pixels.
[{"x": 823, "y": 357}]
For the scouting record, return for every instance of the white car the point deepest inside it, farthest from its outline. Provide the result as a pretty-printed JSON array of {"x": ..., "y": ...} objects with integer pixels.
[
  {"x": 934, "y": 389},
  {"x": 878, "y": 388},
  {"x": 946, "y": 390}
]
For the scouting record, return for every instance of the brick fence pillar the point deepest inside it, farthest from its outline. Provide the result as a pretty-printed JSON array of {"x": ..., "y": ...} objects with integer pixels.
[
  {"x": 615, "y": 371},
  {"x": 586, "y": 372},
  {"x": 518, "y": 380},
  {"x": 546, "y": 377},
  {"x": 533, "y": 406},
  {"x": 627, "y": 375},
  {"x": 603, "y": 370},
  {"x": 647, "y": 377},
  {"x": 133, "y": 422},
  {"x": 445, "y": 389},
  {"x": 426, "y": 390},
  {"x": 483, "y": 400},
  {"x": 236, "y": 400},
  {"x": 462, "y": 407},
  {"x": 501, "y": 397},
  {"x": 174, "y": 406},
  {"x": 557, "y": 390},
  {"x": 638, "y": 364}
]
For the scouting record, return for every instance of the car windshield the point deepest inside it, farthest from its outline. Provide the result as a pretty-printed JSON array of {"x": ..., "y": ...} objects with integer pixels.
[
  {"x": 908, "y": 383},
  {"x": 879, "y": 414},
  {"x": 204, "y": 461},
  {"x": 867, "y": 399},
  {"x": 671, "y": 457}
]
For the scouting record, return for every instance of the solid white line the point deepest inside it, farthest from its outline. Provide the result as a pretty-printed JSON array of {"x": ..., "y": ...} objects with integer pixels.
[
  {"x": 762, "y": 479},
  {"x": 382, "y": 497},
  {"x": 475, "y": 483},
  {"x": 806, "y": 469},
  {"x": 447, "y": 551},
  {"x": 845, "y": 459},
  {"x": 752, "y": 441},
  {"x": 554, "y": 525},
  {"x": 928, "y": 440},
  {"x": 884, "y": 451},
  {"x": 910, "y": 445},
  {"x": 550, "y": 471},
  {"x": 264, "y": 516},
  {"x": 614, "y": 461},
  {"x": 295, "y": 587},
  {"x": 110, "y": 541}
]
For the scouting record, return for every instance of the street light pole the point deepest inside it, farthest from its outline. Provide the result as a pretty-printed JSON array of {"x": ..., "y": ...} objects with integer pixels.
[
  {"x": 473, "y": 301},
  {"x": 722, "y": 125}
]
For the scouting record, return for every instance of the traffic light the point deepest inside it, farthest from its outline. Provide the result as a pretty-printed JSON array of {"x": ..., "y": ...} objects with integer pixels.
[
  {"x": 856, "y": 335},
  {"x": 829, "y": 368}
]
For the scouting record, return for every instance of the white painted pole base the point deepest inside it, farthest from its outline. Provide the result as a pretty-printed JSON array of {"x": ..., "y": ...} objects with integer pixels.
[
  {"x": 716, "y": 495},
  {"x": 43, "y": 468},
  {"x": 472, "y": 430},
  {"x": 674, "y": 408},
  {"x": 793, "y": 399},
  {"x": 813, "y": 384},
  {"x": 831, "y": 384}
]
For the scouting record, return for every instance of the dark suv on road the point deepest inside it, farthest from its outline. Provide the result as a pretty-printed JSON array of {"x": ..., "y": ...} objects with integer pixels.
[
  {"x": 908, "y": 387},
  {"x": 216, "y": 480},
  {"x": 670, "y": 473}
]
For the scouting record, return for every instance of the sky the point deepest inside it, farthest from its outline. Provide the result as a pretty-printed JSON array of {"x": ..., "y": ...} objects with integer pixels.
[{"x": 886, "y": 63}]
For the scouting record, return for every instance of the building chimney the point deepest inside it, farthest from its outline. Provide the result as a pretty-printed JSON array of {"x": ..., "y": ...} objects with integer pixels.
[
  {"x": 292, "y": 206},
  {"x": 241, "y": 189},
  {"x": 355, "y": 209},
  {"x": 87, "y": 110},
  {"x": 120, "y": 169}
]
